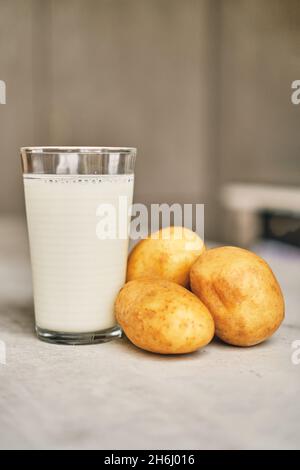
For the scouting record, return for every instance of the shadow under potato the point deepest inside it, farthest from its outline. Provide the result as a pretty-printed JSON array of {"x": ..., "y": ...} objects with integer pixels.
[
  {"x": 217, "y": 341},
  {"x": 158, "y": 356}
]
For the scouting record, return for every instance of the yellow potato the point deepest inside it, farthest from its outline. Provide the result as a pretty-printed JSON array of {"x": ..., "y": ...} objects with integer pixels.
[
  {"x": 163, "y": 317},
  {"x": 241, "y": 292},
  {"x": 166, "y": 254}
]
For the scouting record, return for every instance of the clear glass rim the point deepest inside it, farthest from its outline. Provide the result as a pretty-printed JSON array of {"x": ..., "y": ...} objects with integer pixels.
[
  {"x": 78, "y": 160},
  {"x": 49, "y": 150}
]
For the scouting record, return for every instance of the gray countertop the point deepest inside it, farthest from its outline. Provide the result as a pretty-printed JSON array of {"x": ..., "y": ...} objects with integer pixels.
[{"x": 115, "y": 396}]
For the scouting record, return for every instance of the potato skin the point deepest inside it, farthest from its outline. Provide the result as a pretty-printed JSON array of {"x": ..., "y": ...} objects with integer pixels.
[
  {"x": 169, "y": 259},
  {"x": 163, "y": 317},
  {"x": 241, "y": 292}
]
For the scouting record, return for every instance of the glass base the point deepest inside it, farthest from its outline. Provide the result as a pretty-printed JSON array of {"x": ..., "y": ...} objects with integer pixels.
[{"x": 78, "y": 338}]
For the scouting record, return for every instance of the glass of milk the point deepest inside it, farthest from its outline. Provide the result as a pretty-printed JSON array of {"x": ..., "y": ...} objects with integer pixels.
[{"x": 78, "y": 213}]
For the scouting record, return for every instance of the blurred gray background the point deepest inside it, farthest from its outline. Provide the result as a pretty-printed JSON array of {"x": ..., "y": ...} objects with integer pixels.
[{"x": 201, "y": 87}]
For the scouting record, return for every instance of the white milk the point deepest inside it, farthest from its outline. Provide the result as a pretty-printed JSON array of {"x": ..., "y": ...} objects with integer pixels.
[{"x": 76, "y": 275}]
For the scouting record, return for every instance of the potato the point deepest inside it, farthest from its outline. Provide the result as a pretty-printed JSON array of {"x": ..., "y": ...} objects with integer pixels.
[
  {"x": 163, "y": 317},
  {"x": 165, "y": 258},
  {"x": 241, "y": 292}
]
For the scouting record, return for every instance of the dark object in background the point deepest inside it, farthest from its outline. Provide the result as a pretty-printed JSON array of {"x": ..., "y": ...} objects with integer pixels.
[{"x": 281, "y": 226}]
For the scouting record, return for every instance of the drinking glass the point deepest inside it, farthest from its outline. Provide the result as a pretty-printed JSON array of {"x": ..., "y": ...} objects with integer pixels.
[{"x": 76, "y": 199}]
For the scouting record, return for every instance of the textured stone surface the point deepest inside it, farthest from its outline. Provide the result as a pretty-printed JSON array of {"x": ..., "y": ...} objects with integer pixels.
[{"x": 115, "y": 396}]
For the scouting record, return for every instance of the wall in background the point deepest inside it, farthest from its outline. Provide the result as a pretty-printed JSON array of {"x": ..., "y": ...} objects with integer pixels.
[
  {"x": 139, "y": 73},
  {"x": 17, "y": 115},
  {"x": 201, "y": 87},
  {"x": 260, "y": 58}
]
